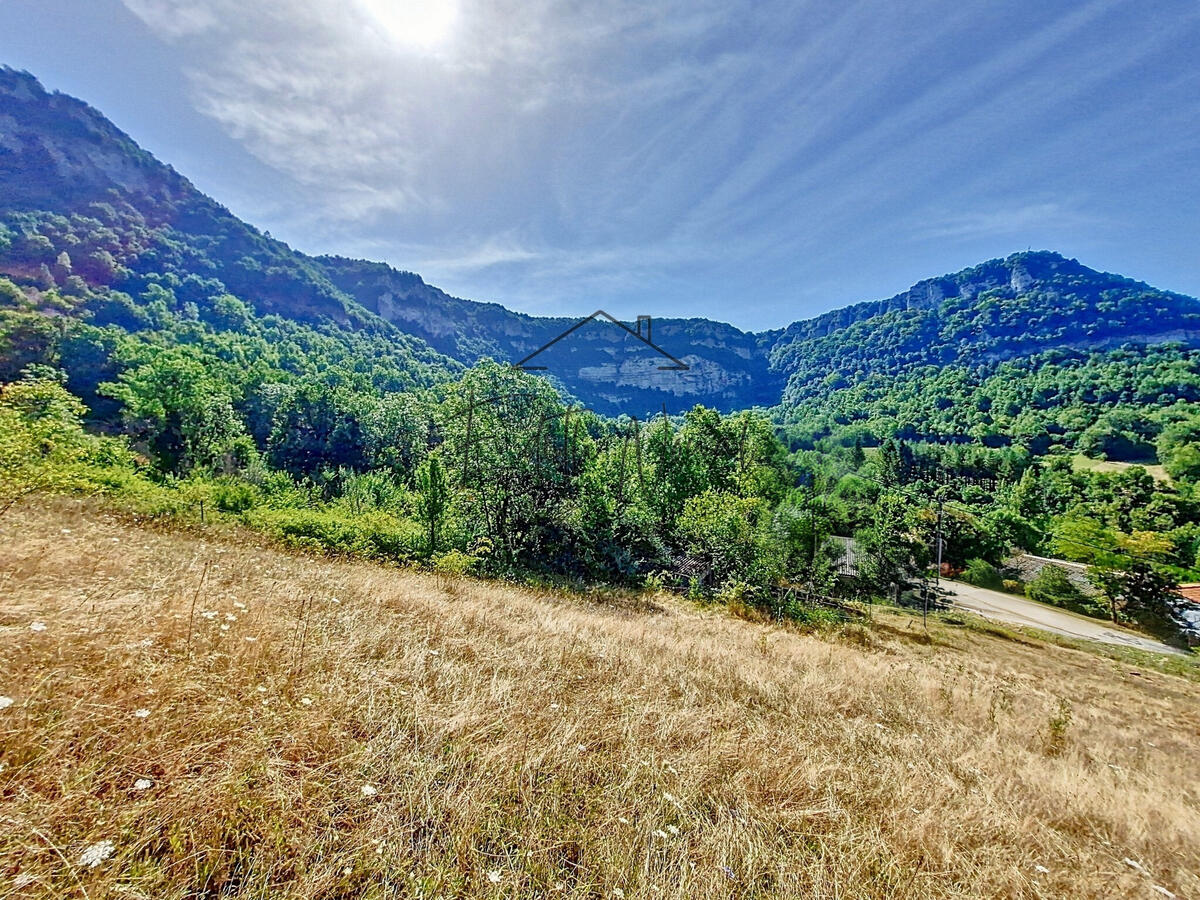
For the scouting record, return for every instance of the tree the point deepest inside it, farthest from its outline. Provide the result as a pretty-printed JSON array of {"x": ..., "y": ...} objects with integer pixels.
[
  {"x": 890, "y": 548},
  {"x": 183, "y": 411},
  {"x": 515, "y": 451},
  {"x": 1137, "y": 589},
  {"x": 727, "y": 533},
  {"x": 42, "y": 441},
  {"x": 433, "y": 499},
  {"x": 858, "y": 456}
]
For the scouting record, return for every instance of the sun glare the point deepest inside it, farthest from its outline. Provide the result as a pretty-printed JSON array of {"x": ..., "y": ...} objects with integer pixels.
[{"x": 420, "y": 24}]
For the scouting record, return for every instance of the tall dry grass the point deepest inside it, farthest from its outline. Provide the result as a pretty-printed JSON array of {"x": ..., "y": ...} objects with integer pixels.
[{"x": 329, "y": 729}]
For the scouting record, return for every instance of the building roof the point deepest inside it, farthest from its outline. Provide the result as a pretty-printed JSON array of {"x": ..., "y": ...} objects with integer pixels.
[{"x": 1190, "y": 591}]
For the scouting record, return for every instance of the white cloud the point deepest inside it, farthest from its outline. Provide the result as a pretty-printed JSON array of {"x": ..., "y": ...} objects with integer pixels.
[
  {"x": 1006, "y": 222},
  {"x": 537, "y": 152},
  {"x": 173, "y": 19}
]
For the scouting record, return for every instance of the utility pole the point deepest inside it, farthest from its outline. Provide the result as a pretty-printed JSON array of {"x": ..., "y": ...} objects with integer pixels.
[
  {"x": 812, "y": 520},
  {"x": 938, "y": 573}
]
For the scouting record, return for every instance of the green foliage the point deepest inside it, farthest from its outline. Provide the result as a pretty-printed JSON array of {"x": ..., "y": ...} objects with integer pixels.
[
  {"x": 727, "y": 533},
  {"x": 182, "y": 410},
  {"x": 433, "y": 499},
  {"x": 374, "y": 535},
  {"x": 43, "y": 446},
  {"x": 1137, "y": 590},
  {"x": 982, "y": 573},
  {"x": 1052, "y": 585},
  {"x": 891, "y": 547}
]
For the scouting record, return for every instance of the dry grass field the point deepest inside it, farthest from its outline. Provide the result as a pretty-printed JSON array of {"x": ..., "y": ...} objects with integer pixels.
[{"x": 204, "y": 716}]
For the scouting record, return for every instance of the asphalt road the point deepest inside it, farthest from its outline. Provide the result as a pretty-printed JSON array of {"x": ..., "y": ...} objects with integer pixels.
[{"x": 1020, "y": 611}]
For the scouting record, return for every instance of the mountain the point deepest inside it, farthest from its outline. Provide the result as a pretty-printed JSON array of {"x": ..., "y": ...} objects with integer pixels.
[
  {"x": 71, "y": 182},
  {"x": 86, "y": 212}
]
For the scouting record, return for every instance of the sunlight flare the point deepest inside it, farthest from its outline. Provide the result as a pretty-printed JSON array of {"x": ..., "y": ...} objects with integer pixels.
[{"x": 416, "y": 24}]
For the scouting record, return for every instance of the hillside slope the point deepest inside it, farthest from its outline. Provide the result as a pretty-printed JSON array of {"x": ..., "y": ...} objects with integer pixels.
[{"x": 238, "y": 721}]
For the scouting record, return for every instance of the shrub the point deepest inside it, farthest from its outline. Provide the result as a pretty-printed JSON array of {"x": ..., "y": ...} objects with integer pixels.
[
  {"x": 1052, "y": 585},
  {"x": 454, "y": 563},
  {"x": 374, "y": 535},
  {"x": 234, "y": 496},
  {"x": 1012, "y": 586},
  {"x": 982, "y": 573}
]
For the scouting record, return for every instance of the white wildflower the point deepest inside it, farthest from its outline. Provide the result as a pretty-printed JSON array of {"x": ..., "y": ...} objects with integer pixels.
[
  {"x": 623, "y": 820},
  {"x": 224, "y": 627},
  {"x": 674, "y": 831},
  {"x": 347, "y": 870},
  {"x": 230, "y": 617},
  {"x": 37, "y": 626},
  {"x": 494, "y": 876},
  {"x": 659, "y": 833},
  {"x": 238, "y": 604},
  {"x": 208, "y": 614},
  {"x": 307, "y": 701},
  {"x": 143, "y": 784},
  {"x": 670, "y": 798},
  {"x": 554, "y": 706},
  {"x": 617, "y": 892},
  {"x": 369, "y": 790},
  {"x": 6, "y": 702},
  {"x": 261, "y": 689},
  {"x": 251, "y": 640},
  {"x": 582, "y": 748},
  {"x": 96, "y": 854},
  {"x": 1041, "y": 870},
  {"x": 434, "y": 652},
  {"x": 66, "y": 530},
  {"x": 334, "y": 600},
  {"x": 142, "y": 713}
]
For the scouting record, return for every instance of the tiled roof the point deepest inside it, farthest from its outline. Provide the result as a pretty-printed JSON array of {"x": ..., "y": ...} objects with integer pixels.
[{"x": 1190, "y": 592}]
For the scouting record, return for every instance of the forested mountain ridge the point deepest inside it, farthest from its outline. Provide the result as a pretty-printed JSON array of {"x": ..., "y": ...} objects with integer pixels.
[
  {"x": 88, "y": 214},
  {"x": 72, "y": 183},
  {"x": 998, "y": 310}
]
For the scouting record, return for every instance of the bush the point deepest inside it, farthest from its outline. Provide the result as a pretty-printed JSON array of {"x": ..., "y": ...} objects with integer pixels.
[
  {"x": 1012, "y": 586},
  {"x": 1052, "y": 585},
  {"x": 231, "y": 495},
  {"x": 982, "y": 573},
  {"x": 374, "y": 535},
  {"x": 454, "y": 563}
]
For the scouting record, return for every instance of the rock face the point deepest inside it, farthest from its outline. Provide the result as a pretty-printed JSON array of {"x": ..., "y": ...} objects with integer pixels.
[{"x": 62, "y": 162}]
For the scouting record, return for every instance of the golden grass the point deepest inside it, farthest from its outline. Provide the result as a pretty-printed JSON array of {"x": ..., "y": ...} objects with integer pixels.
[
  {"x": 523, "y": 744},
  {"x": 1081, "y": 463}
]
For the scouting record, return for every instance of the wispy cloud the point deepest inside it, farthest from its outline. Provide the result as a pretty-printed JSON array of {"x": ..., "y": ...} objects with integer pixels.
[
  {"x": 689, "y": 151},
  {"x": 1007, "y": 222}
]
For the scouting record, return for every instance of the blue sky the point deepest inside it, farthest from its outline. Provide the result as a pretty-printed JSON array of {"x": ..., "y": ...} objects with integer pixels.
[{"x": 753, "y": 162}]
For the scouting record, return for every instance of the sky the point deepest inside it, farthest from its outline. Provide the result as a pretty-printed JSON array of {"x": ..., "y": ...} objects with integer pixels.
[{"x": 752, "y": 162}]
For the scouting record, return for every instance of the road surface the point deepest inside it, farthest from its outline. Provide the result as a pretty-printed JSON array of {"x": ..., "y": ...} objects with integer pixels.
[{"x": 1019, "y": 611}]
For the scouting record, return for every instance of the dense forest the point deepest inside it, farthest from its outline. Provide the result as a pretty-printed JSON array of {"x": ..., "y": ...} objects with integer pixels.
[{"x": 155, "y": 349}]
